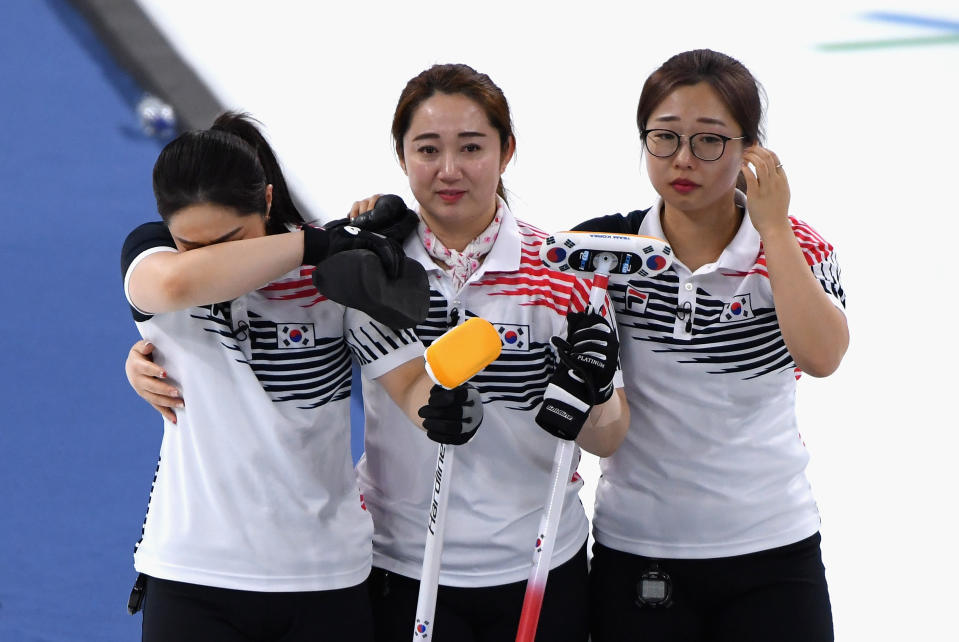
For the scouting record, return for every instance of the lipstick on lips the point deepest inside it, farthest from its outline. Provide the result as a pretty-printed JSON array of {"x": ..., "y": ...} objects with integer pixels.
[
  {"x": 451, "y": 195},
  {"x": 684, "y": 186}
]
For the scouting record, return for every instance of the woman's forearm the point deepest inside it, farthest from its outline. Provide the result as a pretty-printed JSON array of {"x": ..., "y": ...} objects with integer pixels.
[
  {"x": 814, "y": 330},
  {"x": 167, "y": 281}
]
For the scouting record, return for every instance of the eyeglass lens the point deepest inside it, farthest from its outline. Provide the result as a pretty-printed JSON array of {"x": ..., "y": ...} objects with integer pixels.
[{"x": 705, "y": 146}]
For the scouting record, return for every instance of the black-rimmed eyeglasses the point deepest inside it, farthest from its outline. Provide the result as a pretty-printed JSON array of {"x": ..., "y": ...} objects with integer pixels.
[{"x": 706, "y": 146}]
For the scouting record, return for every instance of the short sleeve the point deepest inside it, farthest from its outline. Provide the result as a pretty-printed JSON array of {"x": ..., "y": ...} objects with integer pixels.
[
  {"x": 376, "y": 347},
  {"x": 614, "y": 223},
  {"x": 140, "y": 243},
  {"x": 822, "y": 259}
]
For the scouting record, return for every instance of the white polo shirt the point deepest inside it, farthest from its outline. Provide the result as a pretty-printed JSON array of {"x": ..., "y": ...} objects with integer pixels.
[
  {"x": 501, "y": 478},
  {"x": 255, "y": 488},
  {"x": 713, "y": 464}
]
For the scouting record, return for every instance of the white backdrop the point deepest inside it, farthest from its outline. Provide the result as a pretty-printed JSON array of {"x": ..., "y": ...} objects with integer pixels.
[{"x": 869, "y": 140}]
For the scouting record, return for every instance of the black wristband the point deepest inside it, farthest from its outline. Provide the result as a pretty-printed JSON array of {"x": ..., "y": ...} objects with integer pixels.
[
  {"x": 316, "y": 245},
  {"x": 560, "y": 418},
  {"x": 450, "y": 439}
]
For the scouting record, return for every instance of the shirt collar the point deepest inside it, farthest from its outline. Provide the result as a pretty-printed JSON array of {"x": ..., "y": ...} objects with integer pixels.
[
  {"x": 741, "y": 252},
  {"x": 503, "y": 257}
]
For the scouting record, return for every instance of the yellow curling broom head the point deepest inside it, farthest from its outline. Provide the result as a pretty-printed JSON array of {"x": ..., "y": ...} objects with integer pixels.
[{"x": 463, "y": 351}]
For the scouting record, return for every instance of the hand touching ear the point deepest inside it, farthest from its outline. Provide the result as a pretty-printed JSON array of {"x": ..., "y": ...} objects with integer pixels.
[{"x": 767, "y": 190}]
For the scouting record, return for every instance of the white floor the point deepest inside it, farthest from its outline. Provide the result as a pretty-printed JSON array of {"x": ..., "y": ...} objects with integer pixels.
[{"x": 870, "y": 142}]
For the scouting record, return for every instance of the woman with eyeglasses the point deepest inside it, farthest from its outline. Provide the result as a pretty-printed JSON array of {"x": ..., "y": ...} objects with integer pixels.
[{"x": 705, "y": 524}]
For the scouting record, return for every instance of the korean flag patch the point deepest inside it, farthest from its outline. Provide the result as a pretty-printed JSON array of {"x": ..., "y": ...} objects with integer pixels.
[
  {"x": 739, "y": 309},
  {"x": 636, "y": 300},
  {"x": 292, "y": 336},
  {"x": 514, "y": 337}
]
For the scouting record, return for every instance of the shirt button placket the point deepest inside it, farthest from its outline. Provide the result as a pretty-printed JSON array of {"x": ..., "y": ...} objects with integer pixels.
[{"x": 686, "y": 306}]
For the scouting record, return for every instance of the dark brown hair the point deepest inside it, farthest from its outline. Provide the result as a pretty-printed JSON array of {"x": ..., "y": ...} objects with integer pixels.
[{"x": 454, "y": 79}]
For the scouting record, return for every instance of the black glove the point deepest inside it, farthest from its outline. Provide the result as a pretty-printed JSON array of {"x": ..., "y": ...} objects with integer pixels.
[
  {"x": 389, "y": 217},
  {"x": 452, "y": 416},
  {"x": 370, "y": 272},
  {"x": 584, "y": 377},
  {"x": 382, "y": 230},
  {"x": 320, "y": 244},
  {"x": 592, "y": 348}
]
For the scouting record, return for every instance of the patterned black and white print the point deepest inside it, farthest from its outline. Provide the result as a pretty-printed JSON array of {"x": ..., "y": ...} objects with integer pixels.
[
  {"x": 749, "y": 348},
  {"x": 312, "y": 374}
]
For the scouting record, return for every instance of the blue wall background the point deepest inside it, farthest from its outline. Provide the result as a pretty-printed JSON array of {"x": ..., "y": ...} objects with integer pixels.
[
  {"x": 77, "y": 448},
  {"x": 77, "y": 452}
]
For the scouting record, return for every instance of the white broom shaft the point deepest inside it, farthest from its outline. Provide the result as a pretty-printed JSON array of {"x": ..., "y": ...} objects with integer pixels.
[
  {"x": 433, "y": 552},
  {"x": 549, "y": 524},
  {"x": 560, "y": 476}
]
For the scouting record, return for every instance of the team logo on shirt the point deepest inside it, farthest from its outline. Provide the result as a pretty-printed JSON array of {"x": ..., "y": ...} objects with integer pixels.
[
  {"x": 514, "y": 337},
  {"x": 739, "y": 309},
  {"x": 636, "y": 300},
  {"x": 291, "y": 336}
]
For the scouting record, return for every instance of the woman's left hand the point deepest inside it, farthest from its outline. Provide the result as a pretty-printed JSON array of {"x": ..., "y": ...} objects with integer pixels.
[
  {"x": 365, "y": 205},
  {"x": 767, "y": 190}
]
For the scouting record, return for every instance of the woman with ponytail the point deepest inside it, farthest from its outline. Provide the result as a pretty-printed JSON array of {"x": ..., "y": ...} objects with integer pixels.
[{"x": 255, "y": 527}]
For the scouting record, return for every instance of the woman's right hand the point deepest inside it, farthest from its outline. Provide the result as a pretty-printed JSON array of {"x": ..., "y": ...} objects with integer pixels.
[{"x": 146, "y": 378}]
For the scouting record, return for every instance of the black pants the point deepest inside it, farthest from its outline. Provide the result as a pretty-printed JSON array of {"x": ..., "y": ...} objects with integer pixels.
[
  {"x": 179, "y": 612},
  {"x": 484, "y": 614},
  {"x": 776, "y": 595}
]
